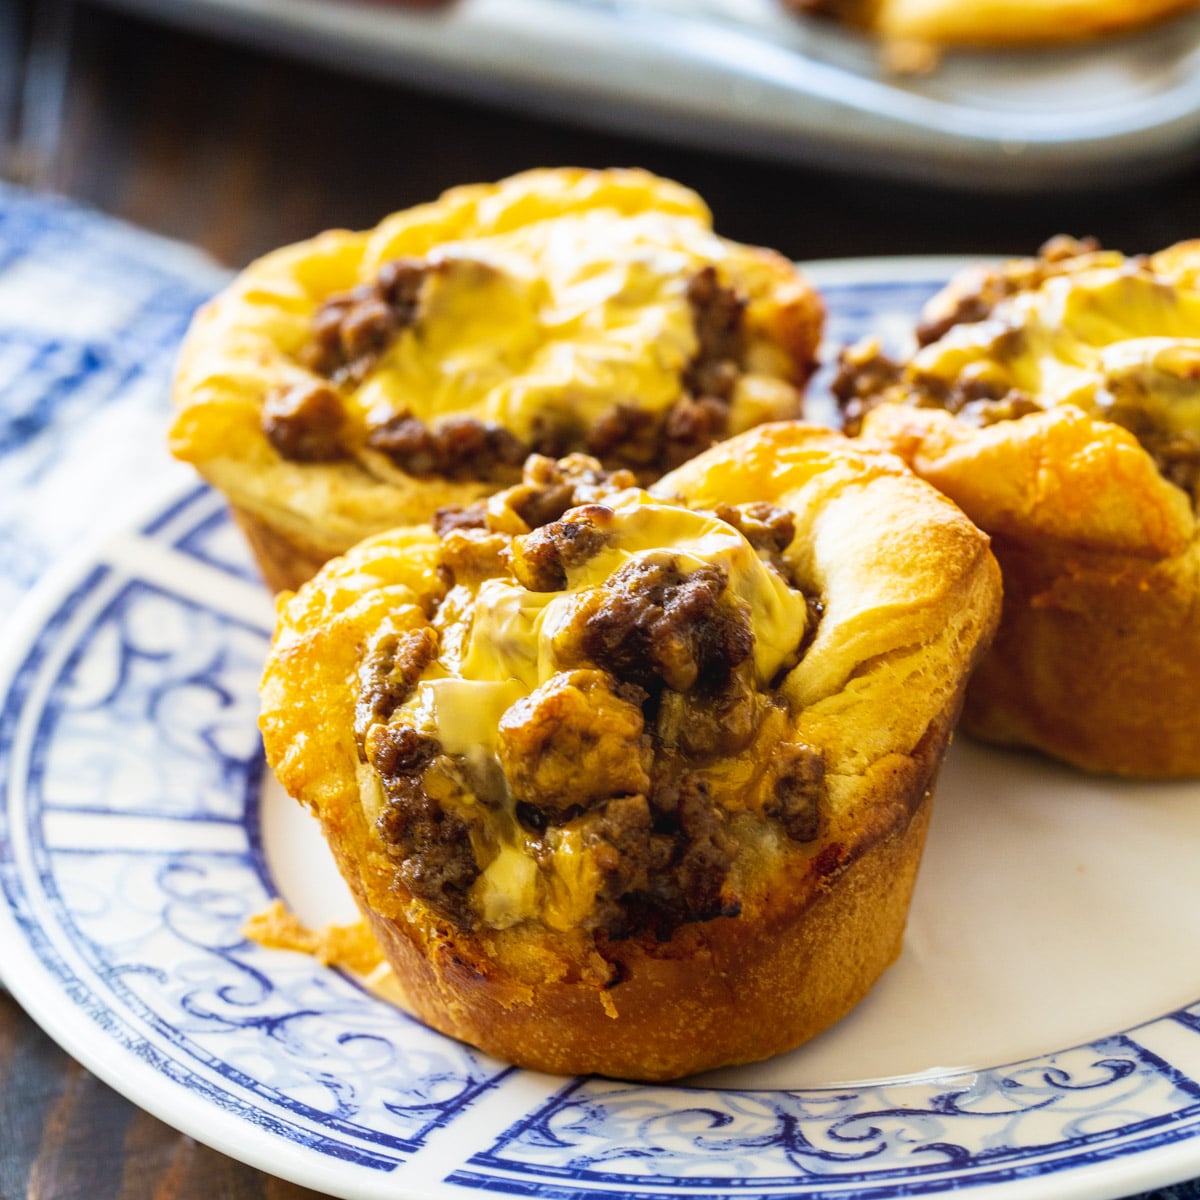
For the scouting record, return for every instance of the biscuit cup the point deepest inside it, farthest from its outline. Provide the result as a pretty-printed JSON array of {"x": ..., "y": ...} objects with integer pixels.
[
  {"x": 637, "y": 782},
  {"x": 1057, "y": 401},
  {"x": 360, "y": 381}
]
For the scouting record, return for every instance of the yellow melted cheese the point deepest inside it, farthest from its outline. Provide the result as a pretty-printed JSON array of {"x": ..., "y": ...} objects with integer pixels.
[
  {"x": 554, "y": 323},
  {"x": 1111, "y": 337},
  {"x": 505, "y": 641}
]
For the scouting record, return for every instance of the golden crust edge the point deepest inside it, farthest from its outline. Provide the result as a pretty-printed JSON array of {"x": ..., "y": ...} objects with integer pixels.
[
  {"x": 463, "y": 994},
  {"x": 216, "y": 425},
  {"x": 1095, "y": 658}
]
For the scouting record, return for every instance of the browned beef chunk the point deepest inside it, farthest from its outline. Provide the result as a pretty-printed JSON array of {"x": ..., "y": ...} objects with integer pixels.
[
  {"x": 1012, "y": 404},
  {"x": 387, "y": 675},
  {"x": 430, "y": 841},
  {"x": 550, "y": 487},
  {"x": 458, "y": 448},
  {"x": 626, "y": 436},
  {"x": 703, "y": 850},
  {"x": 540, "y": 560},
  {"x": 433, "y": 845},
  {"x": 974, "y": 300},
  {"x": 539, "y": 504},
  {"x": 576, "y": 740},
  {"x": 717, "y": 318},
  {"x": 863, "y": 376},
  {"x": 457, "y": 517},
  {"x": 399, "y": 283},
  {"x": 629, "y": 855},
  {"x": 304, "y": 422},
  {"x": 351, "y": 330},
  {"x": 469, "y": 555},
  {"x": 712, "y": 721},
  {"x": 654, "y": 620},
  {"x": 799, "y": 789},
  {"x": 665, "y": 861},
  {"x": 767, "y": 527},
  {"x": 400, "y": 754},
  {"x": 692, "y": 425}
]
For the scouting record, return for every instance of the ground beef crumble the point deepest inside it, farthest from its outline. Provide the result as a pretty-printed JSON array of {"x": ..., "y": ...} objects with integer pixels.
[
  {"x": 548, "y": 488},
  {"x": 799, "y": 787},
  {"x": 458, "y": 448},
  {"x": 613, "y": 747},
  {"x": 304, "y": 422},
  {"x": 352, "y": 331},
  {"x": 387, "y": 675},
  {"x": 665, "y": 861},
  {"x": 867, "y": 377},
  {"x": 654, "y": 621},
  {"x": 979, "y": 293},
  {"x": 430, "y": 841},
  {"x": 767, "y": 527},
  {"x": 432, "y": 845},
  {"x": 541, "y": 559}
]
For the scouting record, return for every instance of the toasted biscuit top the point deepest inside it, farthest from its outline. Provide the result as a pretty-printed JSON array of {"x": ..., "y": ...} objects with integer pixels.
[
  {"x": 596, "y": 710},
  {"x": 364, "y": 379},
  {"x": 1114, "y": 336},
  {"x": 996, "y": 22}
]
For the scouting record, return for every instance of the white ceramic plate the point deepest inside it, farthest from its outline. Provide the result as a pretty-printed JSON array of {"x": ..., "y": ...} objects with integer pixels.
[
  {"x": 1039, "y": 1036},
  {"x": 743, "y": 75}
]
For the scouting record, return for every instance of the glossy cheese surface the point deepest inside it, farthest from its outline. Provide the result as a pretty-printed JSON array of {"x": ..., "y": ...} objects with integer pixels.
[
  {"x": 551, "y": 324},
  {"x": 501, "y": 641},
  {"x": 1115, "y": 337}
]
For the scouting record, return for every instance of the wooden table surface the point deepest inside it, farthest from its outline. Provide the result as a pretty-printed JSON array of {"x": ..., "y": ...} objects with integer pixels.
[{"x": 238, "y": 151}]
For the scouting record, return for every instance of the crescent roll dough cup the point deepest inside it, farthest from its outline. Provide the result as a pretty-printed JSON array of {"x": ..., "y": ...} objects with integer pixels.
[
  {"x": 1076, "y": 445},
  {"x": 995, "y": 22},
  {"x": 637, "y": 782},
  {"x": 360, "y": 381}
]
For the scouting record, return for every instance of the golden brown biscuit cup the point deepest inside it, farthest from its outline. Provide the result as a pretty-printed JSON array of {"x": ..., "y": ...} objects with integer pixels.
[
  {"x": 999, "y": 23},
  {"x": 637, "y": 783},
  {"x": 360, "y": 381},
  {"x": 1089, "y": 496}
]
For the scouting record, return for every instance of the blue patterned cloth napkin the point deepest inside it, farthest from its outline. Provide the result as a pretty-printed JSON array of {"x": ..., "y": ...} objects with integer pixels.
[{"x": 91, "y": 315}]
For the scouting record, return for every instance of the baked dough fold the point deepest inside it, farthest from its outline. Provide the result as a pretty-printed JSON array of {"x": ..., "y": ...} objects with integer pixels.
[
  {"x": 636, "y": 782},
  {"x": 359, "y": 381},
  {"x": 995, "y": 22},
  {"x": 1057, "y": 401}
]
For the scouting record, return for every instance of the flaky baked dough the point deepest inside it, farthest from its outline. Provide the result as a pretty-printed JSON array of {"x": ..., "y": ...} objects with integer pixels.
[
  {"x": 1097, "y": 660},
  {"x": 247, "y": 342},
  {"x": 1002, "y": 22},
  {"x": 911, "y": 594}
]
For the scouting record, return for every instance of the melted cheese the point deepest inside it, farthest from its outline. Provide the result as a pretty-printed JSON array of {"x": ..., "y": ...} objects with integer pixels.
[
  {"x": 504, "y": 641},
  {"x": 1116, "y": 336},
  {"x": 551, "y": 323}
]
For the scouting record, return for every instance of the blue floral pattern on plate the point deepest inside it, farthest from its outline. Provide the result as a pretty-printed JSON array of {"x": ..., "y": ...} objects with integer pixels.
[{"x": 131, "y": 853}]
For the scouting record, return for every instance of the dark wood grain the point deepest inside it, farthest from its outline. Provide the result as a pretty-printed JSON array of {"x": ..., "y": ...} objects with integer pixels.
[
  {"x": 64, "y": 1135},
  {"x": 238, "y": 151}
]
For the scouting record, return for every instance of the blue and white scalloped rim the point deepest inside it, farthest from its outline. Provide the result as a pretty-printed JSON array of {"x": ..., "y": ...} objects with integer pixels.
[{"x": 132, "y": 849}]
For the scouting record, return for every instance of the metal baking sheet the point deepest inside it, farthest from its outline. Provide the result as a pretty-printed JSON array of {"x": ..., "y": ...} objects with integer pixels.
[{"x": 743, "y": 75}]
